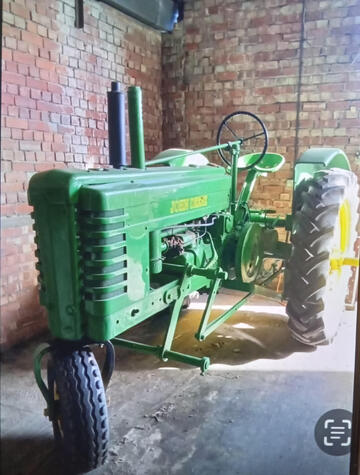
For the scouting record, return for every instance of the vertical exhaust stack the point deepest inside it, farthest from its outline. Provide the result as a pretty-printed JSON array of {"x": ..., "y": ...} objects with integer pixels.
[
  {"x": 116, "y": 126},
  {"x": 136, "y": 128}
]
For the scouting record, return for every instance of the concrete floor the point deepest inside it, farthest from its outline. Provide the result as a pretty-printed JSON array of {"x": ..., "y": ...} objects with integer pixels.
[{"x": 253, "y": 413}]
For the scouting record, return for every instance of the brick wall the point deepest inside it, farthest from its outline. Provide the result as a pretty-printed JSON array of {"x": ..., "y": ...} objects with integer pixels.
[
  {"x": 229, "y": 55},
  {"x": 226, "y": 55},
  {"x": 54, "y": 114}
]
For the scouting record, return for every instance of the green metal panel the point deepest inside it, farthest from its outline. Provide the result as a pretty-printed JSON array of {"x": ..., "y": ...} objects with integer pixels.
[
  {"x": 58, "y": 277},
  {"x": 271, "y": 162},
  {"x": 316, "y": 159},
  {"x": 191, "y": 159},
  {"x": 148, "y": 206},
  {"x": 94, "y": 241},
  {"x": 177, "y": 158}
]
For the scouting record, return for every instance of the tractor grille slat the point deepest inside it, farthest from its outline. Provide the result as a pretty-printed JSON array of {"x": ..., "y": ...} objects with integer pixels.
[
  {"x": 103, "y": 250},
  {"x": 38, "y": 264}
]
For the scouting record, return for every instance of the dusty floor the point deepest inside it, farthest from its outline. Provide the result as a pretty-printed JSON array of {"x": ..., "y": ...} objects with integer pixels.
[{"x": 253, "y": 413}]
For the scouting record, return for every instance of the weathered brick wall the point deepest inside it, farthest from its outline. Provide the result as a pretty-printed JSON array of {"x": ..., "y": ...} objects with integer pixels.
[
  {"x": 229, "y": 55},
  {"x": 226, "y": 55},
  {"x": 54, "y": 114}
]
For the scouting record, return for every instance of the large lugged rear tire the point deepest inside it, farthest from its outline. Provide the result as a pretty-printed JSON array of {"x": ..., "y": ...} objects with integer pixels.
[
  {"x": 324, "y": 231},
  {"x": 81, "y": 427}
]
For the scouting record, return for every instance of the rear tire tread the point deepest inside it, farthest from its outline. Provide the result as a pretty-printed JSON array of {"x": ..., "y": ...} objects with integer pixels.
[{"x": 316, "y": 206}]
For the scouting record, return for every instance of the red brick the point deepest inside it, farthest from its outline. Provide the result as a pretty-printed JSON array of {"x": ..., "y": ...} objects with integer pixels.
[
  {"x": 7, "y": 98},
  {"x": 36, "y": 83},
  {"x": 10, "y": 43},
  {"x": 10, "y": 31},
  {"x": 260, "y": 21},
  {"x": 227, "y": 76},
  {"x": 19, "y": 10},
  {"x": 13, "y": 78},
  {"x": 16, "y": 123},
  {"x": 45, "y": 64},
  {"x": 11, "y": 187},
  {"x": 40, "y": 167},
  {"x": 38, "y": 125},
  {"x": 29, "y": 146},
  {"x": 11, "y": 67},
  {"x": 51, "y": 45},
  {"x": 15, "y": 176},
  {"x": 23, "y": 58},
  {"x": 55, "y": 88},
  {"x": 23, "y": 166},
  {"x": 6, "y": 54},
  {"x": 273, "y": 108},
  {"x": 23, "y": 208},
  {"x": 17, "y": 134},
  {"x": 25, "y": 102}
]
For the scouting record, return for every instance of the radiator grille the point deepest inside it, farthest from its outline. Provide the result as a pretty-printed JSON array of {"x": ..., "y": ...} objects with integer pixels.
[
  {"x": 103, "y": 250},
  {"x": 38, "y": 264}
]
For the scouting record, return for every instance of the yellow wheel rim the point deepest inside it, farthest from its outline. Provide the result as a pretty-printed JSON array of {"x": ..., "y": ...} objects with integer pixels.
[
  {"x": 57, "y": 398},
  {"x": 345, "y": 221},
  {"x": 338, "y": 257}
]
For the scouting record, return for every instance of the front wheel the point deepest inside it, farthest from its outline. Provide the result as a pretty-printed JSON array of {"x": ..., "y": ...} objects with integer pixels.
[
  {"x": 80, "y": 423},
  {"x": 318, "y": 271}
]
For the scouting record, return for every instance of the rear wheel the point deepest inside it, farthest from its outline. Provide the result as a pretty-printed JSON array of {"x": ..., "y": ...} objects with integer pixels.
[
  {"x": 80, "y": 424},
  {"x": 318, "y": 271}
]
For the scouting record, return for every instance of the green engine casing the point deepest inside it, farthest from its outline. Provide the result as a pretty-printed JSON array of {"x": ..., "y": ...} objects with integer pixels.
[{"x": 93, "y": 233}]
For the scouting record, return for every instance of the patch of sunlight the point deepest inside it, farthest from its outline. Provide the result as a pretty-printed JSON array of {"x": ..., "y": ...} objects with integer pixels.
[
  {"x": 243, "y": 325},
  {"x": 169, "y": 368},
  {"x": 273, "y": 309},
  {"x": 278, "y": 365}
]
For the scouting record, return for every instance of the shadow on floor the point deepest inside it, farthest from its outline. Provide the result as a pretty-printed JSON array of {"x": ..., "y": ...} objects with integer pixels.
[
  {"x": 32, "y": 455},
  {"x": 153, "y": 412},
  {"x": 245, "y": 337}
]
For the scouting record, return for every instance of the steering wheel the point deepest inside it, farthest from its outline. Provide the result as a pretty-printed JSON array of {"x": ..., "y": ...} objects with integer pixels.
[{"x": 248, "y": 128}]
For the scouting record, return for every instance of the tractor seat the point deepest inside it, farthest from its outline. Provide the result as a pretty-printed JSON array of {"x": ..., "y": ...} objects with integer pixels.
[{"x": 271, "y": 162}]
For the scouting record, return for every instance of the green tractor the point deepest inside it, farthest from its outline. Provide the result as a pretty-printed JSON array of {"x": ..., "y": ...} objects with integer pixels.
[{"x": 117, "y": 246}]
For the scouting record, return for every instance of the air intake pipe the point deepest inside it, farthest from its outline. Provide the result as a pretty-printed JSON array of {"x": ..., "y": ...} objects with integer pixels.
[
  {"x": 136, "y": 128},
  {"x": 116, "y": 126}
]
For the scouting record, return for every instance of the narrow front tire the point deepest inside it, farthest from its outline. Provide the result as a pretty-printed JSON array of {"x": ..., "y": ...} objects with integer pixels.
[{"x": 80, "y": 424}]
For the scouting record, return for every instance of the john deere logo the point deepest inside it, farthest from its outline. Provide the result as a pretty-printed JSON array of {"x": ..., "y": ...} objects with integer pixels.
[{"x": 178, "y": 206}]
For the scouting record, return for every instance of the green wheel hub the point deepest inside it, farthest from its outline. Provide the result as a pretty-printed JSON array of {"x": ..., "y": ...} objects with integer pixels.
[{"x": 249, "y": 252}]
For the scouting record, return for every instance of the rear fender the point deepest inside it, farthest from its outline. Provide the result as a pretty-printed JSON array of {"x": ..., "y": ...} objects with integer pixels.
[
  {"x": 194, "y": 160},
  {"x": 316, "y": 159}
]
